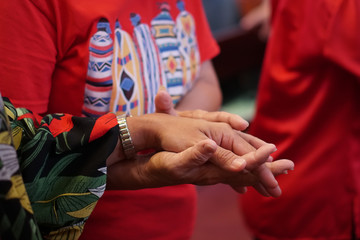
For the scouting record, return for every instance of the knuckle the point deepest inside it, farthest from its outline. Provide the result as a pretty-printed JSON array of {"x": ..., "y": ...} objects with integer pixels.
[
  {"x": 199, "y": 158},
  {"x": 224, "y": 158}
]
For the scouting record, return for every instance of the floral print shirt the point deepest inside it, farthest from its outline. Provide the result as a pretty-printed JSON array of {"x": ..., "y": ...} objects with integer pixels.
[{"x": 52, "y": 171}]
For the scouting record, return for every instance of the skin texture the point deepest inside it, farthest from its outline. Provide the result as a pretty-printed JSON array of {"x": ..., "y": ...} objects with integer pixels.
[
  {"x": 193, "y": 166},
  {"x": 164, "y": 105},
  {"x": 259, "y": 16},
  {"x": 205, "y": 93},
  {"x": 207, "y": 149},
  {"x": 195, "y": 146}
]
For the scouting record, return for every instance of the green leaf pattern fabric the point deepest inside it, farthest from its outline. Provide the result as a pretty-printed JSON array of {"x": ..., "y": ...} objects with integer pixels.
[{"x": 59, "y": 175}]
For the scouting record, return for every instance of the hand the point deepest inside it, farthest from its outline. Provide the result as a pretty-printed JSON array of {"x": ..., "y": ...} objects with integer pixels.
[
  {"x": 175, "y": 134},
  {"x": 259, "y": 16},
  {"x": 164, "y": 104},
  {"x": 190, "y": 166}
]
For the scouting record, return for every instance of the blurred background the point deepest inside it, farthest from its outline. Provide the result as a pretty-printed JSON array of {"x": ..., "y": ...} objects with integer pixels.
[
  {"x": 242, "y": 40},
  {"x": 239, "y": 63}
]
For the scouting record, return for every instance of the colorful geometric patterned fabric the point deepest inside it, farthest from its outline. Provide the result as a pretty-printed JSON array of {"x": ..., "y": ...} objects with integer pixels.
[
  {"x": 127, "y": 87},
  {"x": 165, "y": 34},
  {"x": 60, "y": 175},
  {"x": 126, "y": 68},
  {"x": 152, "y": 73},
  {"x": 188, "y": 47},
  {"x": 99, "y": 75}
]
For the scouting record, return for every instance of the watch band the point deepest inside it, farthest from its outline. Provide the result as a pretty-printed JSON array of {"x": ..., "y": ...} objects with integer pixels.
[{"x": 125, "y": 137}]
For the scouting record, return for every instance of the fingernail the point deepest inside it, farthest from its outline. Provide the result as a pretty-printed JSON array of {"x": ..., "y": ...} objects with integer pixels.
[
  {"x": 238, "y": 163},
  {"x": 274, "y": 146},
  {"x": 276, "y": 192},
  {"x": 285, "y": 172}
]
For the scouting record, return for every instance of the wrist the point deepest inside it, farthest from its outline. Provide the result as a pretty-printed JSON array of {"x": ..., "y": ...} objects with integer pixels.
[{"x": 143, "y": 132}]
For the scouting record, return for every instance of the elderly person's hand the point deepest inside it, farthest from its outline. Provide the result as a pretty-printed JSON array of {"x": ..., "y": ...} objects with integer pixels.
[
  {"x": 199, "y": 147},
  {"x": 164, "y": 105},
  {"x": 192, "y": 166}
]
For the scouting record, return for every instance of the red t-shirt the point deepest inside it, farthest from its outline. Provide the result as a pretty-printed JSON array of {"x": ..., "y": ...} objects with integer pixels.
[
  {"x": 87, "y": 58},
  {"x": 309, "y": 106}
]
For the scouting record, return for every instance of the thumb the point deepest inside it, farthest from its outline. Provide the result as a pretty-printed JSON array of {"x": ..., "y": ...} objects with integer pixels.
[
  {"x": 198, "y": 154},
  {"x": 256, "y": 158},
  {"x": 163, "y": 102}
]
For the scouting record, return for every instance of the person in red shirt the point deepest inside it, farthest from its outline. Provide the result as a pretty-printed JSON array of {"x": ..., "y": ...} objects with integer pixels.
[{"x": 308, "y": 105}]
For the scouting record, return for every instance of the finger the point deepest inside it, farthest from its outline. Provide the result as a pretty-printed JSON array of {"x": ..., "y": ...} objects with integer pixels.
[
  {"x": 266, "y": 178},
  {"x": 240, "y": 189},
  {"x": 267, "y": 175},
  {"x": 235, "y": 121},
  {"x": 257, "y": 186},
  {"x": 169, "y": 168},
  {"x": 228, "y": 154},
  {"x": 227, "y": 160},
  {"x": 231, "y": 140},
  {"x": 270, "y": 159},
  {"x": 263, "y": 172},
  {"x": 256, "y": 158},
  {"x": 163, "y": 102},
  {"x": 280, "y": 166},
  {"x": 239, "y": 146},
  {"x": 255, "y": 142},
  {"x": 252, "y": 140},
  {"x": 246, "y": 179},
  {"x": 261, "y": 189},
  {"x": 196, "y": 155}
]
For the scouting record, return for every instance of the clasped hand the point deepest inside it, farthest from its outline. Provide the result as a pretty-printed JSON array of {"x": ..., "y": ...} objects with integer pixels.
[{"x": 197, "y": 147}]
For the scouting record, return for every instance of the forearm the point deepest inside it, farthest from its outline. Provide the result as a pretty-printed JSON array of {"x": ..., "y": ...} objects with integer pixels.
[{"x": 205, "y": 94}]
